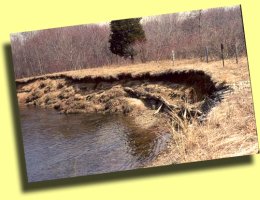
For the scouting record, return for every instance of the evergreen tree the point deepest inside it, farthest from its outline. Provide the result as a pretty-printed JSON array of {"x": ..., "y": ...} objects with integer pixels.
[{"x": 124, "y": 34}]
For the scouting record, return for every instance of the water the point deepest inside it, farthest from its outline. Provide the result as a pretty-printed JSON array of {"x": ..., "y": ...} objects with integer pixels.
[{"x": 60, "y": 146}]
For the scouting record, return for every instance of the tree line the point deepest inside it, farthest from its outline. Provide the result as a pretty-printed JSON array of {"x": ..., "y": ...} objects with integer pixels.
[{"x": 188, "y": 34}]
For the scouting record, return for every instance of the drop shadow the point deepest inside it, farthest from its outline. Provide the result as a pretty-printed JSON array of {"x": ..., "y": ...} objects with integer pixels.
[
  {"x": 137, "y": 174},
  {"x": 101, "y": 178},
  {"x": 14, "y": 108}
]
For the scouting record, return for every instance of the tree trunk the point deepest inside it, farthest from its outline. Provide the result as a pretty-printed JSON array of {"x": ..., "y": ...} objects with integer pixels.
[{"x": 200, "y": 38}]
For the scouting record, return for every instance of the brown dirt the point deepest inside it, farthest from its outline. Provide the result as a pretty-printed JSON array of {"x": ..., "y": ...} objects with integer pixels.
[{"x": 144, "y": 96}]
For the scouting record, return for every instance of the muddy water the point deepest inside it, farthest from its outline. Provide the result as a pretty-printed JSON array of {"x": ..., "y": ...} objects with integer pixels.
[{"x": 59, "y": 146}]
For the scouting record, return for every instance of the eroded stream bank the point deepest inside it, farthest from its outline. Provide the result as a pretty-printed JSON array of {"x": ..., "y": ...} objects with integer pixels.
[
  {"x": 145, "y": 106},
  {"x": 186, "y": 93}
]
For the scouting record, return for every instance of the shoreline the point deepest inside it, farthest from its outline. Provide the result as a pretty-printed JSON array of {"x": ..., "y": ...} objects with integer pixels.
[{"x": 149, "y": 97}]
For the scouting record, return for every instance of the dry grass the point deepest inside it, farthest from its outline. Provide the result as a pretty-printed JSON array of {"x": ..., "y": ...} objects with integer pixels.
[
  {"x": 230, "y": 129},
  {"x": 231, "y": 73}
]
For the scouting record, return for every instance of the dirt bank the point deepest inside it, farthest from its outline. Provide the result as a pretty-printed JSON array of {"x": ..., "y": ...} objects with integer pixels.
[
  {"x": 145, "y": 95},
  {"x": 159, "y": 96}
]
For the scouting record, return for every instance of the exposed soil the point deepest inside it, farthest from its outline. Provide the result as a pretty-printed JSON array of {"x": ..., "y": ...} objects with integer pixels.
[
  {"x": 145, "y": 96},
  {"x": 161, "y": 97}
]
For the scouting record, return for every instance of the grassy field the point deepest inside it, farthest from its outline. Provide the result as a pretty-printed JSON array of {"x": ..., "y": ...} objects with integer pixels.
[
  {"x": 231, "y": 73},
  {"x": 230, "y": 128}
]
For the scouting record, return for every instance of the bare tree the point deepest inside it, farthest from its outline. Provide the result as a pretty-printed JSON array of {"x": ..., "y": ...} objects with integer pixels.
[{"x": 80, "y": 47}]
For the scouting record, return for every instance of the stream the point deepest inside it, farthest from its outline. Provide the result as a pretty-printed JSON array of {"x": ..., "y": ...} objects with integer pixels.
[{"x": 61, "y": 146}]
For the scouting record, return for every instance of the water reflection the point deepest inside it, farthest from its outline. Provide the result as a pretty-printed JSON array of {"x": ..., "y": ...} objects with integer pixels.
[{"x": 59, "y": 146}]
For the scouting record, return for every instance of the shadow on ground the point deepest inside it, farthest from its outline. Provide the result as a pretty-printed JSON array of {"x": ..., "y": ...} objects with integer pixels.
[{"x": 102, "y": 178}]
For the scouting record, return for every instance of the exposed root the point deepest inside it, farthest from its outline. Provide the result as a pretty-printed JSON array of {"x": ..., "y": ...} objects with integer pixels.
[
  {"x": 180, "y": 100},
  {"x": 183, "y": 111},
  {"x": 178, "y": 95}
]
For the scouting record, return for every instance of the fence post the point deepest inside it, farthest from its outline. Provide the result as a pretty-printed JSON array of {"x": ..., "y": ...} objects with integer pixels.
[
  {"x": 173, "y": 57},
  {"x": 236, "y": 51},
  {"x": 222, "y": 54},
  {"x": 207, "y": 54}
]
